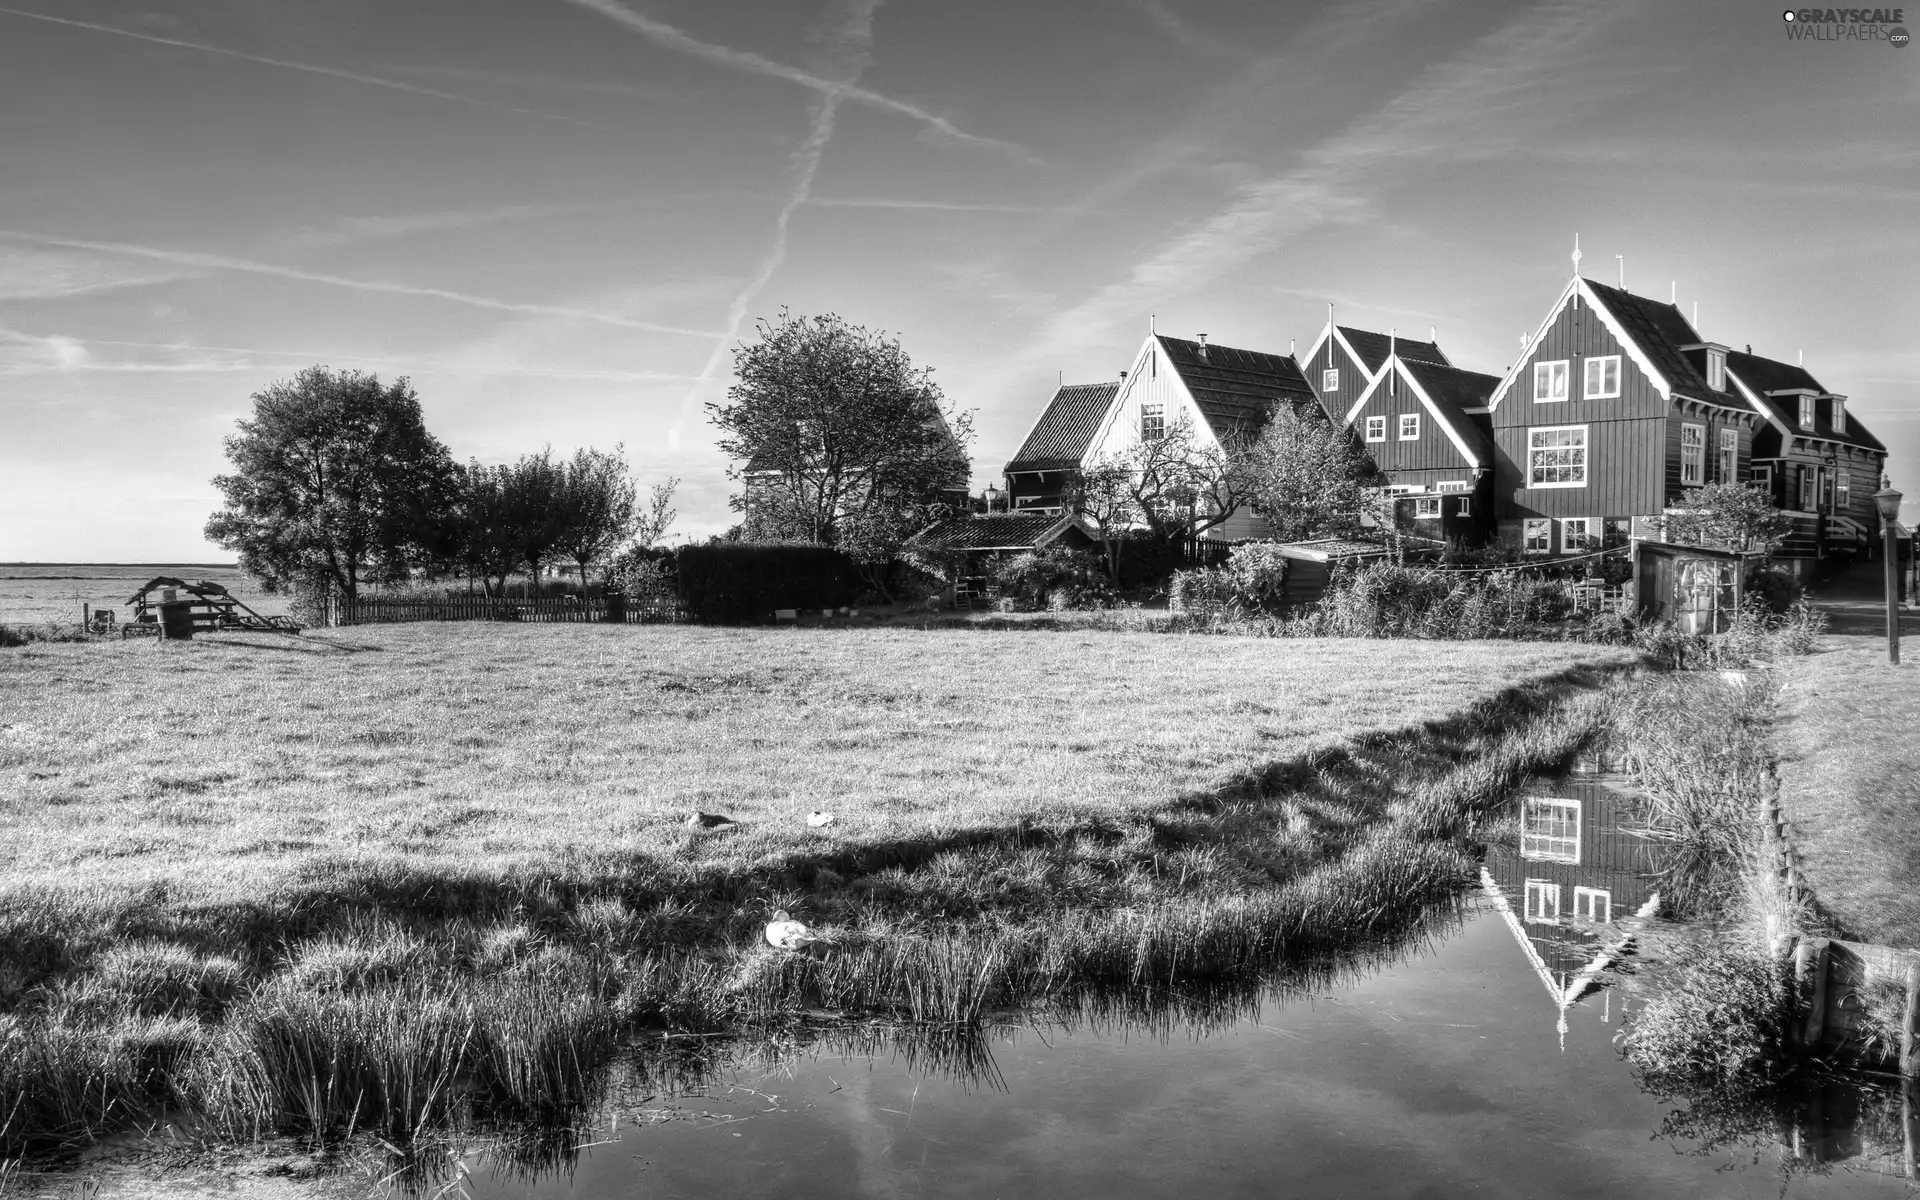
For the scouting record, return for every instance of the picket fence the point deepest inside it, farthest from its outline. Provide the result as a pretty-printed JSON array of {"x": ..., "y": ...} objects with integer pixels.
[{"x": 385, "y": 610}]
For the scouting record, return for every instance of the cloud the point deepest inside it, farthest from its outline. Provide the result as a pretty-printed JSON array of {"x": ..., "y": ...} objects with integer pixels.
[
  {"x": 1176, "y": 27},
  {"x": 27, "y": 273},
  {"x": 219, "y": 262},
  {"x": 309, "y": 68},
  {"x": 935, "y": 205},
  {"x": 848, "y": 55},
  {"x": 662, "y": 34},
  {"x": 348, "y": 231}
]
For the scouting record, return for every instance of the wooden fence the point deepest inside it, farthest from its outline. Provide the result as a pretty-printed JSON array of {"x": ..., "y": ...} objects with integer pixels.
[{"x": 385, "y": 610}]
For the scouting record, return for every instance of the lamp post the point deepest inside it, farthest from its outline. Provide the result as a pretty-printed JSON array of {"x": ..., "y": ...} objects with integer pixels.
[
  {"x": 993, "y": 498},
  {"x": 1888, "y": 502}
]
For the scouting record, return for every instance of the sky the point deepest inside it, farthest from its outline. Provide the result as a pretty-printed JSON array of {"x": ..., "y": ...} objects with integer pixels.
[{"x": 557, "y": 217}]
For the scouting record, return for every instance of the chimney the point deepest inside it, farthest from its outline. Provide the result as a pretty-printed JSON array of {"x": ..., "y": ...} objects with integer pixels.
[
  {"x": 1123, "y": 377},
  {"x": 1203, "y": 344}
]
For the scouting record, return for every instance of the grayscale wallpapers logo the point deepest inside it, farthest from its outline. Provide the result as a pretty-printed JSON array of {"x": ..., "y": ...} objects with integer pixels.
[{"x": 1847, "y": 25}]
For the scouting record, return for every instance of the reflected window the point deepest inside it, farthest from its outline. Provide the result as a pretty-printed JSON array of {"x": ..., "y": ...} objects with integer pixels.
[
  {"x": 1593, "y": 904},
  {"x": 1543, "y": 902},
  {"x": 1550, "y": 829}
]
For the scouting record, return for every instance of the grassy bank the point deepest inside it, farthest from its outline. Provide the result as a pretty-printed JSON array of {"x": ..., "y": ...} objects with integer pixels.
[
  {"x": 1850, "y": 786},
  {"x": 421, "y": 876}
]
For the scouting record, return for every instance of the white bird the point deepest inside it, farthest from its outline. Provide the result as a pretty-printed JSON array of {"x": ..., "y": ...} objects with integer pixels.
[
  {"x": 785, "y": 933},
  {"x": 818, "y": 819}
]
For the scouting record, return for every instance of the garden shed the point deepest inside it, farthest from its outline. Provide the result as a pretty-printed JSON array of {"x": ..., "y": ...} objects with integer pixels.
[
  {"x": 1310, "y": 565},
  {"x": 1698, "y": 588}
]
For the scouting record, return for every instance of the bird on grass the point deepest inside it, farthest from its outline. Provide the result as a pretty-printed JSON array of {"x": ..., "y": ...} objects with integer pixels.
[
  {"x": 714, "y": 821},
  {"x": 785, "y": 933},
  {"x": 819, "y": 820}
]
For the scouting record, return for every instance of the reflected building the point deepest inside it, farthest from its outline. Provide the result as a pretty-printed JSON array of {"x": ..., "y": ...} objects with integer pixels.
[{"x": 1577, "y": 886}]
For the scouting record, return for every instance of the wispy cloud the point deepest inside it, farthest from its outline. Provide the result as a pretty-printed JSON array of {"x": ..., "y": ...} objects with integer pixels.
[
  {"x": 27, "y": 273},
  {"x": 221, "y": 262},
  {"x": 1182, "y": 31},
  {"x": 349, "y": 231},
  {"x": 663, "y": 34},
  {"x": 310, "y": 68},
  {"x": 933, "y": 205},
  {"x": 848, "y": 54}
]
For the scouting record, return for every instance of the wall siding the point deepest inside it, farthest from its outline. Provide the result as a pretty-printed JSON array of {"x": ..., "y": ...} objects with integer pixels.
[
  {"x": 1432, "y": 451},
  {"x": 1150, "y": 382}
]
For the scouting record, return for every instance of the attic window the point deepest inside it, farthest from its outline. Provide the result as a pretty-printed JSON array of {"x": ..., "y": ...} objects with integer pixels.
[
  {"x": 1806, "y": 412},
  {"x": 1716, "y": 369},
  {"x": 1839, "y": 414},
  {"x": 1153, "y": 422},
  {"x": 1409, "y": 427},
  {"x": 1376, "y": 429},
  {"x": 1542, "y": 902},
  {"x": 1603, "y": 378},
  {"x": 1330, "y": 380},
  {"x": 1593, "y": 904},
  {"x": 1550, "y": 381}
]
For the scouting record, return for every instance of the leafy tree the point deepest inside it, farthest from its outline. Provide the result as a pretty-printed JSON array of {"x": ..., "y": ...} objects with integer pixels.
[
  {"x": 1183, "y": 483},
  {"x": 830, "y": 421},
  {"x": 484, "y": 529},
  {"x": 1307, "y": 477},
  {"x": 1733, "y": 515},
  {"x": 1104, "y": 494},
  {"x": 336, "y": 480},
  {"x": 599, "y": 506},
  {"x": 874, "y": 537},
  {"x": 536, "y": 500},
  {"x": 654, "y": 523}
]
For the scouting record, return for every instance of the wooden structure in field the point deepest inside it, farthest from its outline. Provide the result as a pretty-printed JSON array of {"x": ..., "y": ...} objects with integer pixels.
[
  {"x": 1698, "y": 588},
  {"x": 204, "y": 607}
]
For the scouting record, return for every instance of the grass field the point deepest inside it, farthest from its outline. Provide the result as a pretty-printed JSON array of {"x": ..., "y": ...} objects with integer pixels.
[
  {"x": 1850, "y": 785},
  {"x": 372, "y": 879}
]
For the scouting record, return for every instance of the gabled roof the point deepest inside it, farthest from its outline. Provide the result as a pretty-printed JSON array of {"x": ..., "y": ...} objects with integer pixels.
[
  {"x": 1059, "y": 439},
  {"x": 1373, "y": 348},
  {"x": 1763, "y": 375},
  {"x": 1660, "y": 332},
  {"x": 1453, "y": 392},
  {"x": 1235, "y": 387},
  {"x": 1001, "y": 531}
]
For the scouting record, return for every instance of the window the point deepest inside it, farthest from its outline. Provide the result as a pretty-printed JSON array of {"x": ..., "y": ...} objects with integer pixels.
[
  {"x": 1153, "y": 422},
  {"x": 1557, "y": 456},
  {"x": 1826, "y": 490},
  {"x": 1717, "y": 369},
  {"x": 1693, "y": 449},
  {"x": 1543, "y": 902},
  {"x": 1729, "y": 454},
  {"x": 1376, "y": 429},
  {"x": 1806, "y": 412},
  {"x": 1618, "y": 532},
  {"x": 1536, "y": 536},
  {"x": 1427, "y": 508},
  {"x": 1550, "y": 381},
  {"x": 1603, "y": 378},
  {"x": 1760, "y": 475},
  {"x": 1452, "y": 485},
  {"x": 1409, "y": 427},
  {"x": 1839, "y": 414},
  {"x": 1330, "y": 380},
  {"x": 1842, "y": 491},
  {"x": 1465, "y": 507},
  {"x": 1550, "y": 829},
  {"x": 1806, "y": 489},
  {"x": 1576, "y": 535},
  {"x": 1593, "y": 904}
]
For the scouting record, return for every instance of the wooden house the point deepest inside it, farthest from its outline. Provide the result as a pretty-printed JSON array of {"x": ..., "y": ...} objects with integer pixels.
[
  {"x": 1224, "y": 394},
  {"x": 1813, "y": 458},
  {"x": 1615, "y": 407},
  {"x": 1424, "y": 423},
  {"x": 1041, "y": 473},
  {"x": 1577, "y": 885}
]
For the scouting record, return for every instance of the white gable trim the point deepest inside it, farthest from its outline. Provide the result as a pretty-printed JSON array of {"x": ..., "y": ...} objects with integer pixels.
[
  {"x": 1578, "y": 286},
  {"x": 1313, "y": 351},
  {"x": 1190, "y": 409},
  {"x": 1759, "y": 406},
  {"x": 1420, "y": 393},
  {"x": 1359, "y": 364}
]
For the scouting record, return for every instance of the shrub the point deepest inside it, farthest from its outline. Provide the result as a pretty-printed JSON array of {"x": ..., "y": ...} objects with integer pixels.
[
  {"x": 1053, "y": 577},
  {"x": 1720, "y": 1019},
  {"x": 731, "y": 582},
  {"x": 1387, "y": 600},
  {"x": 1259, "y": 574},
  {"x": 1777, "y": 589},
  {"x": 1203, "y": 592}
]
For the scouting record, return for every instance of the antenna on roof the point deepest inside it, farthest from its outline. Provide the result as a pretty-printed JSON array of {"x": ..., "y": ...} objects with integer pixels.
[
  {"x": 1576, "y": 254},
  {"x": 1623, "y": 271},
  {"x": 1150, "y": 329},
  {"x": 1291, "y": 344},
  {"x": 1696, "y": 317},
  {"x": 1673, "y": 291},
  {"x": 1433, "y": 334},
  {"x": 1393, "y": 352},
  {"x": 1803, "y": 358}
]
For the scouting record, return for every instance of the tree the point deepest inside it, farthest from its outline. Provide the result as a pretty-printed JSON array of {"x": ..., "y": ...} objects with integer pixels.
[
  {"x": 598, "y": 506},
  {"x": 1733, "y": 515},
  {"x": 484, "y": 528},
  {"x": 1183, "y": 483},
  {"x": 335, "y": 480},
  {"x": 536, "y": 495},
  {"x": 1104, "y": 494},
  {"x": 654, "y": 523},
  {"x": 1307, "y": 477},
  {"x": 832, "y": 420},
  {"x": 874, "y": 537}
]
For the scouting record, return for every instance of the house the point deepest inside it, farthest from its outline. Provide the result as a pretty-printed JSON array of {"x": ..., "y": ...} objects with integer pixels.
[
  {"x": 1041, "y": 473},
  {"x": 1423, "y": 421},
  {"x": 1813, "y": 458},
  {"x": 1615, "y": 407},
  {"x": 1225, "y": 395},
  {"x": 1577, "y": 886}
]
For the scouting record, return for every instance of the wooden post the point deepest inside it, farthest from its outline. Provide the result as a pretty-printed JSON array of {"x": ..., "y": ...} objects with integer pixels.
[
  {"x": 1910, "y": 1124},
  {"x": 1810, "y": 969},
  {"x": 1910, "y": 1030}
]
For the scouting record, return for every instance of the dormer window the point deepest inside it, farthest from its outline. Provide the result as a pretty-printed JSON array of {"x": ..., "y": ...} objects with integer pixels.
[
  {"x": 1839, "y": 414},
  {"x": 1716, "y": 369},
  {"x": 1807, "y": 409}
]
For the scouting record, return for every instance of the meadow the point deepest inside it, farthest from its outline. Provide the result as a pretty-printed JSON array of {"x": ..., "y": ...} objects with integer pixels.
[{"x": 388, "y": 878}]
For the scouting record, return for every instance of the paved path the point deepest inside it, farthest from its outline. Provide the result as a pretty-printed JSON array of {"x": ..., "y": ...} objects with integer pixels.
[{"x": 1855, "y": 603}]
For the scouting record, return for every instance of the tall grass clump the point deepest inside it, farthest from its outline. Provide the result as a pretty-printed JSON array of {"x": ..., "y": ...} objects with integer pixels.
[
  {"x": 1718, "y": 1021},
  {"x": 1387, "y": 600}
]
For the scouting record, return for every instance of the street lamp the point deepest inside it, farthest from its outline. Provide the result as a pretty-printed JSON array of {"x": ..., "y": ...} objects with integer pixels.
[
  {"x": 1888, "y": 502},
  {"x": 993, "y": 497}
]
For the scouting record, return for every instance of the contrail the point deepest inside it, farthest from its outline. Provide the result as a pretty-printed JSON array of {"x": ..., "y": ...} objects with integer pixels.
[
  {"x": 663, "y": 34},
  {"x": 330, "y": 72},
  {"x": 220, "y": 262},
  {"x": 853, "y": 40}
]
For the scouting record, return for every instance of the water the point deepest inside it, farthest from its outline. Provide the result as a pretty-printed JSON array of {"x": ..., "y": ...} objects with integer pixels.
[
  {"x": 1482, "y": 1063},
  {"x": 31, "y": 593}
]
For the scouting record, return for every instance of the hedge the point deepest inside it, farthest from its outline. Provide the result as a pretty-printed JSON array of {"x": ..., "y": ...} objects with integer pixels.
[{"x": 733, "y": 582}]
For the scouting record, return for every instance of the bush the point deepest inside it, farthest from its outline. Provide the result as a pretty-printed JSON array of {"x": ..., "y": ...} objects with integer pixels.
[
  {"x": 1203, "y": 592},
  {"x": 1721, "y": 1019},
  {"x": 1259, "y": 574},
  {"x": 732, "y": 582},
  {"x": 1386, "y": 600},
  {"x": 1054, "y": 577},
  {"x": 1778, "y": 589}
]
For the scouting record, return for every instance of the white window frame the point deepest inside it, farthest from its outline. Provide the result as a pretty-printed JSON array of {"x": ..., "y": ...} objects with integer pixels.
[
  {"x": 1465, "y": 508},
  {"x": 1839, "y": 404},
  {"x": 1453, "y": 485},
  {"x": 1548, "y": 378},
  {"x": 1729, "y": 454},
  {"x": 1594, "y": 905},
  {"x": 1376, "y": 429},
  {"x": 1550, "y": 847},
  {"x": 1330, "y": 379},
  {"x": 1541, "y": 525},
  {"x": 1409, "y": 427},
  {"x": 1426, "y": 508},
  {"x": 1717, "y": 370},
  {"x": 1157, "y": 413},
  {"x": 1541, "y": 903},
  {"x": 1608, "y": 385},
  {"x": 1809, "y": 489},
  {"x": 1842, "y": 490},
  {"x": 1580, "y": 542},
  {"x": 1809, "y": 412},
  {"x": 1583, "y": 447},
  {"x": 1760, "y": 475},
  {"x": 1693, "y": 470}
]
